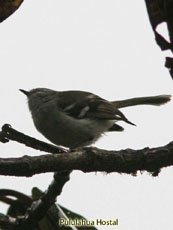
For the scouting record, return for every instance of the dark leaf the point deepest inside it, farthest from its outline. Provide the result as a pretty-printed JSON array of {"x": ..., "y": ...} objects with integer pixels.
[{"x": 8, "y": 7}]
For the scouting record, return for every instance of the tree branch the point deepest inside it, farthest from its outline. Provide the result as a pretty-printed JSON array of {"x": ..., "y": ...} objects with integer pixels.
[
  {"x": 36, "y": 210},
  {"x": 158, "y": 12},
  {"x": 40, "y": 207},
  {"x": 8, "y": 133},
  {"x": 91, "y": 160}
]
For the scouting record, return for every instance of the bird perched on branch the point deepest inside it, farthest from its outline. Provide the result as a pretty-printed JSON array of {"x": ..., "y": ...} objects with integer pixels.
[{"x": 76, "y": 118}]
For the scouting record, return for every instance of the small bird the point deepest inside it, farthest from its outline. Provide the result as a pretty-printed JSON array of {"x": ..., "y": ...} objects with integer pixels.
[{"x": 76, "y": 119}]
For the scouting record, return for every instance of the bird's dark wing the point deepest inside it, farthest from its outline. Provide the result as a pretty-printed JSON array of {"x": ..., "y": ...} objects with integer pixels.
[{"x": 82, "y": 105}]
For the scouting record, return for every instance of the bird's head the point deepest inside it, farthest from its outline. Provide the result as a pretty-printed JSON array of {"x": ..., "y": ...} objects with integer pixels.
[{"x": 38, "y": 96}]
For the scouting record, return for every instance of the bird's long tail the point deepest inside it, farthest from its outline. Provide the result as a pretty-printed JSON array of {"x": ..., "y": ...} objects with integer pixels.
[{"x": 153, "y": 100}]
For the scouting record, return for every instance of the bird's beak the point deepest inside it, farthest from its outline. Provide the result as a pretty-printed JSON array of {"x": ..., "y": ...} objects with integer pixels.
[{"x": 25, "y": 92}]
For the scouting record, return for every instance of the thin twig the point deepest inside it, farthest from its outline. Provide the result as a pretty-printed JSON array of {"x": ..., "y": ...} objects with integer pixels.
[{"x": 8, "y": 133}]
